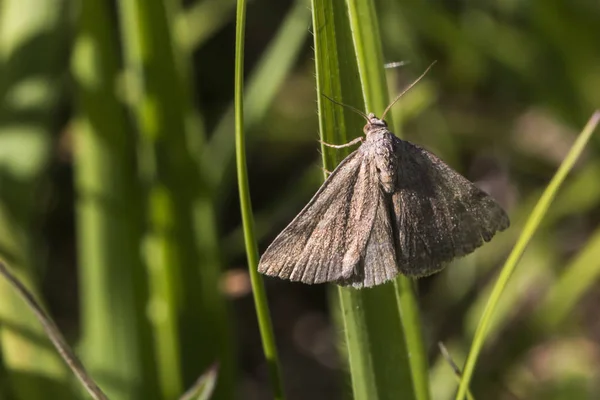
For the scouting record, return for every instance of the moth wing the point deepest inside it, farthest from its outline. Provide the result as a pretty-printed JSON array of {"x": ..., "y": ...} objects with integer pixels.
[
  {"x": 326, "y": 240},
  {"x": 379, "y": 261},
  {"x": 438, "y": 213}
]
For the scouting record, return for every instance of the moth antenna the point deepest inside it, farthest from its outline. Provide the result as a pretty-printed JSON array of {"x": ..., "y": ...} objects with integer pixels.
[
  {"x": 356, "y": 110},
  {"x": 407, "y": 89}
]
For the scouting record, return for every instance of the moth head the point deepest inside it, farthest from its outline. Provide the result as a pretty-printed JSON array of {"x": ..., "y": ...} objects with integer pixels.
[{"x": 373, "y": 123}]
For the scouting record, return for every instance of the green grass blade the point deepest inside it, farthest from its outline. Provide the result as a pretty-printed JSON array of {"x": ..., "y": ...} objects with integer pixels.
[
  {"x": 529, "y": 230},
  {"x": 367, "y": 42},
  {"x": 377, "y": 356},
  {"x": 365, "y": 29},
  {"x": 146, "y": 56},
  {"x": 206, "y": 304},
  {"x": 413, "y": 333},
  {"x": 116, "y": 335},
  {"x": 258, "y": 290},
  {"x": 181, "y": 245}
]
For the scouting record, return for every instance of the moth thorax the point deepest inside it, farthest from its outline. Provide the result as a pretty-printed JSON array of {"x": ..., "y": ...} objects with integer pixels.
[{"x": 386, "y": 162}]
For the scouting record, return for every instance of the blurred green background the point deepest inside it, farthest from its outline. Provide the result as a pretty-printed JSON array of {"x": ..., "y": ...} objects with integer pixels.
[{"x": 118, "y": 200}]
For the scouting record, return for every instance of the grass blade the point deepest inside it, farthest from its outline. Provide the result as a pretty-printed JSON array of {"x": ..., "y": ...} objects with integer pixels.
[
  {"x": 54, "y": 335},
  {"x": 182, "y": 251},
  {"x": 149, "y": 63},
  {"x": 531, "y": 226},
  {"x": 260, "y": 298},
  {"x": 365, "y": 34},
  {"x": 115, "y": 340},
  {"x": 371, "y": 318},
  {"x": 413, "y": 333},
  {"x": 365, "y": 30}
]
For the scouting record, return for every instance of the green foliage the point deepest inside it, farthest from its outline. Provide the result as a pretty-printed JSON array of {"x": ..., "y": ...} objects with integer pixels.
[
  {"x": 533, "y": 222},
  {"x": 30, "y": 68},
  {"x": 135, "y": 100}
]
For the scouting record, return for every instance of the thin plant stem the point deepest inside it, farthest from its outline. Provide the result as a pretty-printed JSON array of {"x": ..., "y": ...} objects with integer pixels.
[{"x": 260, "y": 298}]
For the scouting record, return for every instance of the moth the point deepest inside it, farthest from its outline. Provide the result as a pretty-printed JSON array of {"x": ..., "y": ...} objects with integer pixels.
[{"x": 390, "y": 207}]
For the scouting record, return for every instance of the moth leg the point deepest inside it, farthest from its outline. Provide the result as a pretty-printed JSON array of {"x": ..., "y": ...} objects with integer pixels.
[
  {"x": 327, "y": 172},
  {"x": 341, "y": 146}
]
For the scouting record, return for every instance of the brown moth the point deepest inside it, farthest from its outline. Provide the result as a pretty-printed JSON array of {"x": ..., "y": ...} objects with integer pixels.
[{"x": 390, "y": 207}]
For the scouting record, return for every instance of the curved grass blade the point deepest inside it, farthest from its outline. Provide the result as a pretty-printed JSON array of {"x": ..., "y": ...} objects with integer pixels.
[
  {"x": 54, "y": 335},
  {"x": 260, "y": 298},
  {"x": 529, "y": 230}
]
